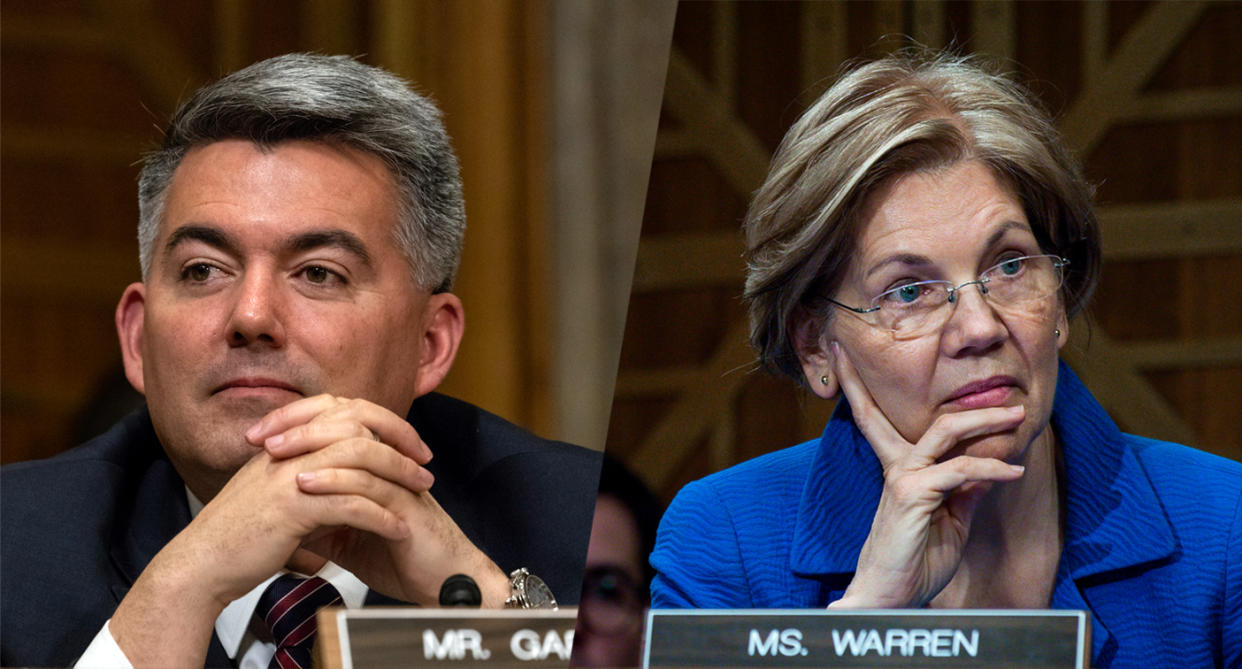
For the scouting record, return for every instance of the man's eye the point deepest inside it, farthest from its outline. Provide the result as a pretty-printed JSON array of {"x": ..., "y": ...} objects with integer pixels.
[
  {"x": 197, "y": 272},
  {"x": 321, "y": 276}
]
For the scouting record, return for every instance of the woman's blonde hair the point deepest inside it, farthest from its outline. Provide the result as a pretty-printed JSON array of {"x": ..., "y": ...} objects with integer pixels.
[{"x": 908, "y": 112}]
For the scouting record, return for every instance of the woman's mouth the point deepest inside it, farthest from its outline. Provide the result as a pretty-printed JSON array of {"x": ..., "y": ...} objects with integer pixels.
[{"x": 991, "y": 392}]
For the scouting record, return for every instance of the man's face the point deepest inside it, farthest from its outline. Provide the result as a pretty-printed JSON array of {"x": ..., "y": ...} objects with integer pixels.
[{"x": 275, "y": 276}]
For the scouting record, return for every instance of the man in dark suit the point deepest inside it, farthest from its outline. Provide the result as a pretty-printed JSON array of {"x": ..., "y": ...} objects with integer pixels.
[{"x": 299, "y": 232}]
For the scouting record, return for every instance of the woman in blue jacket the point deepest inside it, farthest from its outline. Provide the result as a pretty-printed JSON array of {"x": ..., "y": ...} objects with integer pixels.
[{"x": 920, "y": 243}]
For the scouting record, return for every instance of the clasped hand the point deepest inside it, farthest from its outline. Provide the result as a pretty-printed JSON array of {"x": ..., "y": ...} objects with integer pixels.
[
  {"x": 342, "y": 480},
  {"x": 924, "y": 515}
]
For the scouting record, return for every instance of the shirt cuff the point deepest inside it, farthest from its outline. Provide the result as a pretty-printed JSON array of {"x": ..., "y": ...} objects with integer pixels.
[{"x": 103, "y": 653}]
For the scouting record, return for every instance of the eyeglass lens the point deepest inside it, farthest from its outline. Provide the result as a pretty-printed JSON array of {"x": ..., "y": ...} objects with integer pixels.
[{"x": 915, "y": 309}]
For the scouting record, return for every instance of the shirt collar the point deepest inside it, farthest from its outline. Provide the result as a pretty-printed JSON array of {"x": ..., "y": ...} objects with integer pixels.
[{"x": 1113, "y": 518}]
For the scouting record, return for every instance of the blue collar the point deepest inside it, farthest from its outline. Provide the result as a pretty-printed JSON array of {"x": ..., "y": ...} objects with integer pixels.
[{"x": 1113, "y": 519}]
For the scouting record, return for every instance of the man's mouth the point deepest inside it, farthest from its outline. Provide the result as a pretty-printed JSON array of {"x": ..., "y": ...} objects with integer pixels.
[{"x": 255, "y": 386}]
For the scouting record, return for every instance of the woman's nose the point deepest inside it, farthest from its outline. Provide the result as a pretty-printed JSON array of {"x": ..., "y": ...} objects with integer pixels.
[{"x": 974, "y": 325}]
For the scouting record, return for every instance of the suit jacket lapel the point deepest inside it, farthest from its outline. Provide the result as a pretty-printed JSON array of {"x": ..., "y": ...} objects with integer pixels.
[{"x": 153, "y": 511}]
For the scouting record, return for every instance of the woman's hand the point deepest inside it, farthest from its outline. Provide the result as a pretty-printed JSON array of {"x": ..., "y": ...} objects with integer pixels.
[{"x": 923, "y": 519}]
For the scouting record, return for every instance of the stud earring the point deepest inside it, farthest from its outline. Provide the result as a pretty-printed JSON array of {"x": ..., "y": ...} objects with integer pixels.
[
  {"x": 824, "y": 379},
  {"x": 1057, "y": 332}
]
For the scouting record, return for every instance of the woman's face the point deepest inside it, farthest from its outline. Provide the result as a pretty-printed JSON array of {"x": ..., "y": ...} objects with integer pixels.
[{"x": 950, "y": 224}]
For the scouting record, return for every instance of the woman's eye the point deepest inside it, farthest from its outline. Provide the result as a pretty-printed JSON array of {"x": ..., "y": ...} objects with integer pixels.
[
  {"x": 909, "y": 293},
  {"x": 1010, "y": 267}
]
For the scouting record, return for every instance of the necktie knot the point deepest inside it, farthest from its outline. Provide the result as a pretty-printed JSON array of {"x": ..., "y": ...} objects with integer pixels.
[{"x": 288, "y": 607}]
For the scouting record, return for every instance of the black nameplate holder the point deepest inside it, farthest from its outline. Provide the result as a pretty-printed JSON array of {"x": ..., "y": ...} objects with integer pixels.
[
  {"x": 380, "y": 637},
  {"x": 901, "y": 638}
]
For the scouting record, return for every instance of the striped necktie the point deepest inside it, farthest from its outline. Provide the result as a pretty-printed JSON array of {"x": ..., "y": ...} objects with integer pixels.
[{"x": 288, "y": 608}]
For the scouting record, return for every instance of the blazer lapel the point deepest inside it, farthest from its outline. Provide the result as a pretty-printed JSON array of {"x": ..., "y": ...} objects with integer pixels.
[
  {"x": 154, "y": 510},
  {"x": 1113, "y": 519}
]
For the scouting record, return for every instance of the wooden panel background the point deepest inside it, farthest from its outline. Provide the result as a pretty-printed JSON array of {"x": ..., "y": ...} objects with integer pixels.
[
  {"x": 87, "y": 84},
  {"x": 1148, "y": 93}
]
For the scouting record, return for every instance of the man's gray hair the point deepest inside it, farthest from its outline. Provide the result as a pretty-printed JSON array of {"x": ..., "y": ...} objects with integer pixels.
[{"x": 329, "y": 98}]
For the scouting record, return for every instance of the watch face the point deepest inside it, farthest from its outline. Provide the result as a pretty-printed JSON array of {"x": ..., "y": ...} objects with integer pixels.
[{"x": 538, "y": 595}]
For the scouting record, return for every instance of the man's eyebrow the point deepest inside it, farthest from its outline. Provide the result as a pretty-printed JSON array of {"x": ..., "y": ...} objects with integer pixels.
[
  {"x": 344, "y": 240},
  {"x": 201, "y": 233}
]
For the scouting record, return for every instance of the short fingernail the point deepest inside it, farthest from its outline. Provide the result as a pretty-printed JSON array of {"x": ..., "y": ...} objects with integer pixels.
[
  {"x": 1017, "y": 469},
  {"x": 274, "y": 441},
  {"x": 306, "y": 477},
  {"x": 254, "y": 431}
]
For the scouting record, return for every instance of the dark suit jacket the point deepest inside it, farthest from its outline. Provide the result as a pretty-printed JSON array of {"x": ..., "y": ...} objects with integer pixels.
[{"x": 77, "y": 529}]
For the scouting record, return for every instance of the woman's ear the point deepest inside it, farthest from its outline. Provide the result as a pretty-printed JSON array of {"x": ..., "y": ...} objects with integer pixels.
[
  {"x": 1062, "y": 330},
  {"x": 811, "y": 340}
]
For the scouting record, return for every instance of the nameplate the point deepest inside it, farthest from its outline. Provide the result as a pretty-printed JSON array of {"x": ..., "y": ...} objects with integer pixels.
[
  {"x": 924, "y": 638},
  {"x": 378, "y": 637}
]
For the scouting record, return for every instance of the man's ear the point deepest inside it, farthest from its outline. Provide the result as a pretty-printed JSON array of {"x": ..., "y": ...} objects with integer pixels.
[
  {"x": 445, "y": 322},
  {"x": 811, "y": 342},
  {"x": 129, "y": 316}
]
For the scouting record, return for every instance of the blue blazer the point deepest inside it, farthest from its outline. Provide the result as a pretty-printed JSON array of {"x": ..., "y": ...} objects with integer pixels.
[
  {"x": 1153, "y": 535},
  {"x": 79, "y": 528}
]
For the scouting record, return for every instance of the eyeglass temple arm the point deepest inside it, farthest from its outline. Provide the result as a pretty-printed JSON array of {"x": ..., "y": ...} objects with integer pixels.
[{"x": 853, "y": 309}]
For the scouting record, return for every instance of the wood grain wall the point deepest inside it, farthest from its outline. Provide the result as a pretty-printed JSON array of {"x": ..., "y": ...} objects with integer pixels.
[{"x": 1148, "y": 93}]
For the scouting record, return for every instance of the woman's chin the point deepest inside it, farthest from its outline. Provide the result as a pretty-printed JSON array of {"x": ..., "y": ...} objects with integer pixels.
[{"x": 1007, "y": 446}]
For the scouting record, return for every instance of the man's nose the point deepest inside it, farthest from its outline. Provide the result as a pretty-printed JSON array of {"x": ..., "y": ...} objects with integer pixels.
[
  {"x": 257, "y": 316},
  {"x": 974, "y": 324}
]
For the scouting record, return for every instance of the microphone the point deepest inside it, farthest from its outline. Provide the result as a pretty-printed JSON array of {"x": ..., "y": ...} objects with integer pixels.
[{"x": 460, "y": 590}]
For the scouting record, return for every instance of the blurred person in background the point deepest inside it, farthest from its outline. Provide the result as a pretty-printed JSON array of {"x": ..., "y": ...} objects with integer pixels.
[{"x": 617, "y": 580}]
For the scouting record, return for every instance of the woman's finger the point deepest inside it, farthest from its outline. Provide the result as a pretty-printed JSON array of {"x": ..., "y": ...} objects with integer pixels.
[
  {"x": 943, "y": 478},
  {"x": 950, "y": 429},
  {"x": 885, "y": 440}
]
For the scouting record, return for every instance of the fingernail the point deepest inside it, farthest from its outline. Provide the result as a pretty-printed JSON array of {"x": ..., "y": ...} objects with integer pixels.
[
  {"x": 254, "y": 431},
  {"x": 306, "y": 477},
  {"x": 274, "y": 441},
  {"x": 1017, "y": 469}
]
